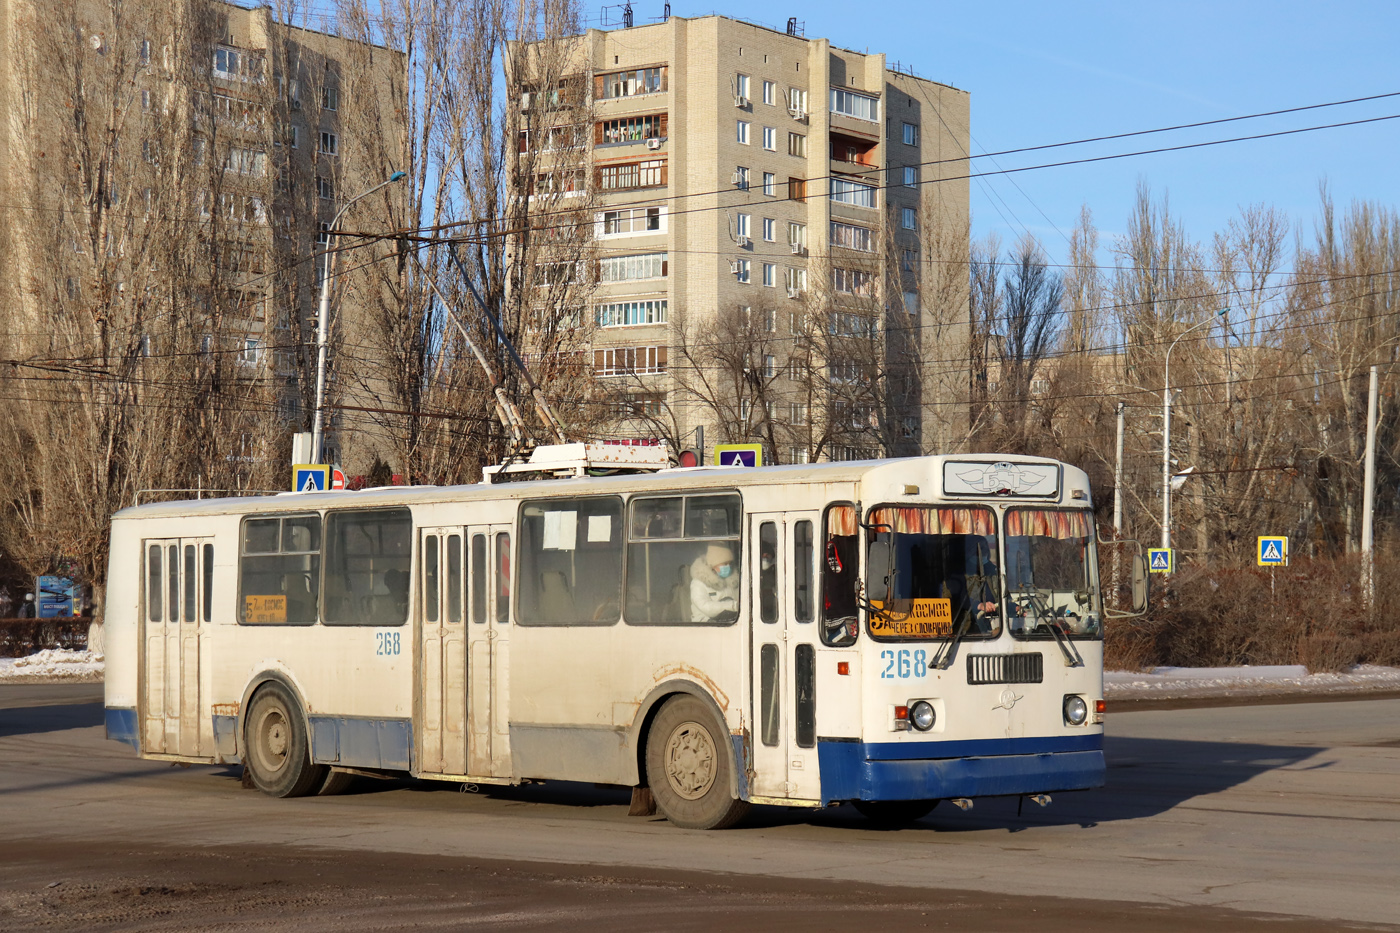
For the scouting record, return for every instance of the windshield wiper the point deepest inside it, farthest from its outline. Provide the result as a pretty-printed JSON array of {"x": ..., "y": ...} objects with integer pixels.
[
  {"x": 1042, "y": 612},
  {"x": 944, "y": 658}
]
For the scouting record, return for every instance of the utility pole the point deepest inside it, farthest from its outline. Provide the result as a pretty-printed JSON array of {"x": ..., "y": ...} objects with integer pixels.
[
  {"x": 1167, "y": 428},
  {"x": 1118, "y": 478},
  {"x": 1368, "y": 502}
]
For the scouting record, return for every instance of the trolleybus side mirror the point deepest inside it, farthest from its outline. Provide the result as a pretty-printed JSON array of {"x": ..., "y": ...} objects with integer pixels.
[
  {"x": 878, "y": 565},
  {"x": 1142, "y": 583}
]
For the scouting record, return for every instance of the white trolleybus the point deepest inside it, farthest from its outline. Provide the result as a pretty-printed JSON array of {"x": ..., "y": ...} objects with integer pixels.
[{"x": 886, "y": 633}]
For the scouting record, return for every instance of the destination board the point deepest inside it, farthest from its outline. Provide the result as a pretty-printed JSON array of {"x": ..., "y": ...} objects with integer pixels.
[
  {"x": 265, "y": 609},
  {"x": 925, "y": 618}
]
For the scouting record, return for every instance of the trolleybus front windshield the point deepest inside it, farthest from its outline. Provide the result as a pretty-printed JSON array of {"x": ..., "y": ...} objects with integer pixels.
[
  {"x": 1052, "y": 580},
  {"x": 942, "y": 574}
]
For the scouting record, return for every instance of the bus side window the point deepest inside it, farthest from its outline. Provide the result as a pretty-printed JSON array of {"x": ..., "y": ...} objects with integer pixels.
[
  {"x": 840, "y": 568},
  {"x": 172, "y": 571},
  {"x": 190, "y": 580},
  {"x": 478, "y": 579},
  {"x": 368, "y": 555},
  {"x": 154, "y": 583},
  {"x": 502, "y": 577},
  {"x": 208, "y": 582},
  {"x": 802, "y": 571},
  {"x": 454, "y": 579},
  {"x": 430, "y": 578},
  {"x": 279, "y": 570},
  {"x": 768, "y": 572}
]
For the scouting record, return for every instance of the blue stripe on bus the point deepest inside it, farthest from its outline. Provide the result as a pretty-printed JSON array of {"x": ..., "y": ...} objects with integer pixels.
[
  {"x": 888, "y": 771},
  {"x": 355, "y": 742},
  {"x": 121, "y": 727}
]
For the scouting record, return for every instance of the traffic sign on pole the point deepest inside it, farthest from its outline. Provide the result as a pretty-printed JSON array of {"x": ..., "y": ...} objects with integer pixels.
[
  {"x": 742, "y": 455},
  {"x": 1161, "y": 560},
  {"x": 337, "y": 479},
  {"x": 310, "y": 477},
  {"x": 1273, "y": 551}
]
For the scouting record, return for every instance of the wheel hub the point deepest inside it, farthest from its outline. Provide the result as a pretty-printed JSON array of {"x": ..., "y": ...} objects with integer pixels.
[
  {"x": 690, "y": 760},
  {"x": 273, "y": 746}
]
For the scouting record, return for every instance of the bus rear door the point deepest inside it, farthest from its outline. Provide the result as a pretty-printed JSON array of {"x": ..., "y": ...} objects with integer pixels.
[
  {"x": 442, "y": 642},
  {"x": 782, "y": 609},
  {"x": 488, "y": 645},
  {"x": 175, "y": 638}
]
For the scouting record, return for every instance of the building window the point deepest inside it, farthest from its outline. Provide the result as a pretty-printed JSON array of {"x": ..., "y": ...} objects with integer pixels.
[
  {"x": 741, "y": 270},
  {"x": 770, "y": 184},
  {"x": 741, "y": 177},
  {"x": 330, "y": 144},
  {"x": 769, "y": 226},
  {"x": 246, "y": 161},
  {"x": 844, "y": 191},
  {"x": 911, "y": 134},
  {"x": 632, "y": 268},
  {"x": 630, "y": 83},
  {"x": 797, "y": 413},
  {"x": 143, "y": 51},
  {"x": 851, "y": 104},
  {"x": 745, "y": 409},
  {"x": 248, "y": 353},
  {"x": 770, "y": 274},
  {"x": 295, "y": 138},
  {"x": 741, "y": 224},
  {"x": 796, "y": 282},
  {"x": 850, "y": 236},
  {"x": 323, "y": 234},
  {"x": 622, "y": 361},
  {"x": 851, "y": 281},
  {"x": 1040, "y": 386},
  {"x": 648, "y": 174},
  {"x": 797, "y": 235},
  {"x": 638, "y": 405},
  {"x": 629, "y": 129},
  {"x": 770, "y": 321},
  {"x": 768, "y": 88},
  {"x": 797, "y": 102},
  {"x": 911, "y": 260},
  {"x": 741, "y": 87},
  {"x": 911, "y": 176},
  {"x": 145, "y": 101},
  {"x": 330, "y": 98},
  {"x": 908, "y": 218},
  {"x": 799, "y": 455},
  {"x": 797, "y": 189},
  {"x": 770, "y": 139},
  {"x": 226, "y": 63},
  {"x": 742, "y": 133},
  {"x": 770, "y": 366},
  {"x": 911, "y": 302},
  {"x": 631, "y": 221},
  {"x": 631, "y": 313},
  {"x": 911, "y": 427},
  {"x": 797, "y": 145},
  {"x": 324, "y": 189}
]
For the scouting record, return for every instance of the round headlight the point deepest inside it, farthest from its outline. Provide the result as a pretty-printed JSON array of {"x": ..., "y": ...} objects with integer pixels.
[
  {"x": 921, "y": 714},
  {"x": 1076, "y": 710}
]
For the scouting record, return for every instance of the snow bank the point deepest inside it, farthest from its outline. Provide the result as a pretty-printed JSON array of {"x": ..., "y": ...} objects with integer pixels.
[
  {"x": 54, "y": 664},
  {"x": 1181, "y": 682}
]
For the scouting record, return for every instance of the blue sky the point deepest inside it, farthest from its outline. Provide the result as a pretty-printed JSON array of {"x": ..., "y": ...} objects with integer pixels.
[{"x": 1043, "y": 72}]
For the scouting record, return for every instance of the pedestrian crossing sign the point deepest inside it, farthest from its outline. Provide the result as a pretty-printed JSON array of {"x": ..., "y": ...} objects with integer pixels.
[
  {"x": 739, "y": 455},
  {"x": 310, "y": 477},
  {"x": 1161, "y": 560},
  {"x": 1273, "y": 551}
]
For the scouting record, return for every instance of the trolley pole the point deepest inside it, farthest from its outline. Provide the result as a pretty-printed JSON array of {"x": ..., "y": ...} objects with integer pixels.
[{"x": 1368, "y": 504}]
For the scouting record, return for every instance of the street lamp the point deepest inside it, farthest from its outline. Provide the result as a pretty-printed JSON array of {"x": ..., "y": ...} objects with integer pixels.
[
  {"x": 1167, "y": 429},
  {"x": 323, "y": 320}
]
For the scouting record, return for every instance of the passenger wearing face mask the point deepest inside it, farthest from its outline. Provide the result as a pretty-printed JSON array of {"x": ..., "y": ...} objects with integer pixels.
[{"x": 714, "y": 586}]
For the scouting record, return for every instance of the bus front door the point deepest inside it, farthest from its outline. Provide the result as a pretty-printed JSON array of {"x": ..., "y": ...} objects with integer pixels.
[
  {"x": 781, "y": 566},
  {"x": 175, "y": 621},
  {"x": 442, "y": 646},
  {"x": 488, "y": 646}
]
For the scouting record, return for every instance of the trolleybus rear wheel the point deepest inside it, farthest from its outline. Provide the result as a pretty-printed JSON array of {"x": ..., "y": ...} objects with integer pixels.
[
  {"x": 689, "y": 767},
  {"x": 278, "y": 753},
  {"x": 894, "y": 812}
]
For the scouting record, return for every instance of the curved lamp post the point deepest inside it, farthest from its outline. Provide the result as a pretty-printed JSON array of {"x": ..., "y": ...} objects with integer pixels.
[
  {"x": 318, "y": 438},
  {"x": 1167, "y": 429}
]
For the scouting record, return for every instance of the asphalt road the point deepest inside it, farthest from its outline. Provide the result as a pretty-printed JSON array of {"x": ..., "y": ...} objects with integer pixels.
[{"x": 1277, "y": 816}]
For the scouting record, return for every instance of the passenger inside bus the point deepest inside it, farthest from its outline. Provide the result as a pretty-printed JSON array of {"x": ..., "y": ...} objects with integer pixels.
[{"x": 714, "y": 586}]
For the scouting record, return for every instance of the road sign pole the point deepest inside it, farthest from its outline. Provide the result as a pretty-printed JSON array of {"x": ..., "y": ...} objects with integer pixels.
[{"x": 1368, "y": 506}]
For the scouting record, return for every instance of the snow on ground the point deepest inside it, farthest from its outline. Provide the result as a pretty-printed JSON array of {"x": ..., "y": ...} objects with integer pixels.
[
  {"x": 1282, "y": 680},
  {"x": 53, "y": 664}
]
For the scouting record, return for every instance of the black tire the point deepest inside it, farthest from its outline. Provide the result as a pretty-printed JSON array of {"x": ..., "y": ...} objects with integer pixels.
[
  {"x": 690, "y": 767},
  {"x": 336, "y": 782},
  {"x": 894, "y": 812},
  {"x": 277, "y": 753}
]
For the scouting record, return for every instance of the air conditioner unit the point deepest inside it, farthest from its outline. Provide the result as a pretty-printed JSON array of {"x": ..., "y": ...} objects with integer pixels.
[
  {"x": 741, "y": 102},
  {"x": 793, "y": 293},
  {"x": 735, "y": 267},
  {"x": 798, "y": 114},
  {"x": 295, "y": 103},
  {"x": 739, "y": 179},
  {"x": 744, "y": 242},
  {"x": 798, "y": 249},
  {"x": 654, "y": 143}
]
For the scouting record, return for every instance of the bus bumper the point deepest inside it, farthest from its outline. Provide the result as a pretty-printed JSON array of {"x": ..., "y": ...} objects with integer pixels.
[
  {"x": 925, "y": 771},
  {"x": 121, "y": 727}
]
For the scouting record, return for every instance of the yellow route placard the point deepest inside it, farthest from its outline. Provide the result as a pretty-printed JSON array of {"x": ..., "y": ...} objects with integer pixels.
[
  {"x": 924, "y": 618},
  {"x": 265, "y": 609}
]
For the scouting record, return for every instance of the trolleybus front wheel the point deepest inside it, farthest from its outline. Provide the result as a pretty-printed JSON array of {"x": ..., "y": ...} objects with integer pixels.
[
  {"x": 894, "y": 812},
  {"x": 689, "y": 767},
  {"x": 278, "y": 755}
]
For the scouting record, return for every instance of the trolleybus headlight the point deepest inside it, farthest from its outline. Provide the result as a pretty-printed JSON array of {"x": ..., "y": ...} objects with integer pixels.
[
  {"x": 921, "y": 714},
  {"x": 1076, "y": 710}
]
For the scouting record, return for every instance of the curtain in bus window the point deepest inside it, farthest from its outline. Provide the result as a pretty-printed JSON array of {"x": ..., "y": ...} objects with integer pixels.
[
  {"x": 570, "y": 561},
  {"x": 368, "y": 554},
  {"x": 1048, "y": 524},
  {"x": 945, "y": 577},
  {"x": 921, "y": 521},
  {"x": 279, "y": 570},
  {"x": 683, "y": 559},
  {"x": 840, "y": 565}
]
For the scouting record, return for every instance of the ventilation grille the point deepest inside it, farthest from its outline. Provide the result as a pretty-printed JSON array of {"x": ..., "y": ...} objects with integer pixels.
[{"x": 1005, "y": 668}]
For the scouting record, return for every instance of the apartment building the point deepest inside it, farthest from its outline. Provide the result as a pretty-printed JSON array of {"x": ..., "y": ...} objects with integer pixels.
[
  {"x": 814, "y": 190},
  {"x": 167, "y": 172}
]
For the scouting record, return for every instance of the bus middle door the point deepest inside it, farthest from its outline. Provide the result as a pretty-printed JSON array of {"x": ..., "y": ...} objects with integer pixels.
[
  {"x": 176, "y": 618},
  {"x": 442, "y": 667},
  {"x": 488, "y": 644},
  {"x": 781, "y": 563}
]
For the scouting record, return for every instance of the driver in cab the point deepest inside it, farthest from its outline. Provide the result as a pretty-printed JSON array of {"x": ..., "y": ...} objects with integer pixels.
[{"x": 714, "y": 586}]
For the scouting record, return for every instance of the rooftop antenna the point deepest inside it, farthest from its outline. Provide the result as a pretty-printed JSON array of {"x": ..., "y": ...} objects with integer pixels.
[
  {"x": 794, "y": 28},
  {"x": 627, "y": 16},
  {"x": 666, "y": 13}
]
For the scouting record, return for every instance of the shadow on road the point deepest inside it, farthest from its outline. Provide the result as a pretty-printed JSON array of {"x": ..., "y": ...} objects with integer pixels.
[{"x": 31, "y": 720}]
